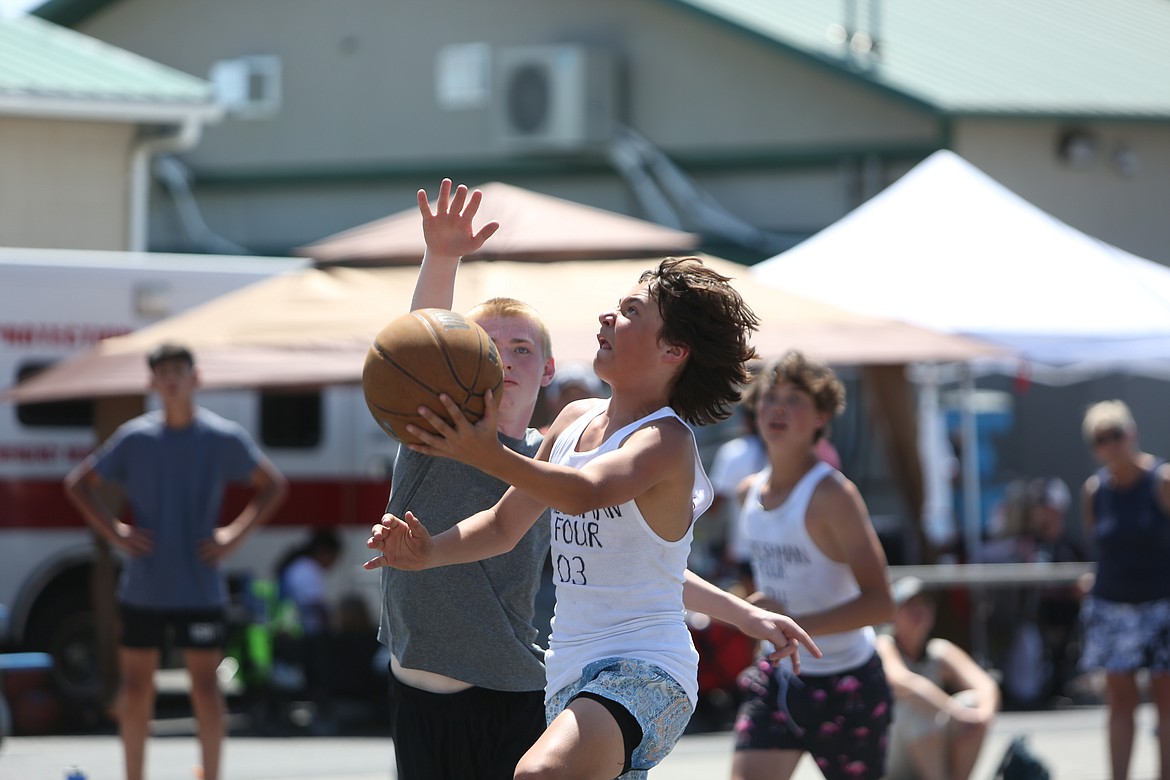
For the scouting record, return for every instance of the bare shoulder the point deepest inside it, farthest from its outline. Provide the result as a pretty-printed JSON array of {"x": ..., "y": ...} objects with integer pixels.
[
  {"x": 1162, "y": 485},
  {"x": 570, "y": 414},
  {"x": 945, "y": 649},
  {"x": 670, "y": 430},
  {"x": 837, "y": 497},
  {"x": 668, "y": 439}
]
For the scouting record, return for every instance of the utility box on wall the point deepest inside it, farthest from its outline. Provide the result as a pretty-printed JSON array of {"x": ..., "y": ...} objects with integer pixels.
[{"x": 556, "y": 98}]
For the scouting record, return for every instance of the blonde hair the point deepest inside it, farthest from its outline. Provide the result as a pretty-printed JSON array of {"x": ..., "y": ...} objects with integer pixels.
[
  {"x": 510, "y": 307},
  {"x": 1106, "y": 415}
]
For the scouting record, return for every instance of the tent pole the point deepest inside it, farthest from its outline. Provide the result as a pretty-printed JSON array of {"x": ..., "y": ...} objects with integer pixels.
[
  {"x": 972, "y": 518},
  {"x": 938, "y": 515}
]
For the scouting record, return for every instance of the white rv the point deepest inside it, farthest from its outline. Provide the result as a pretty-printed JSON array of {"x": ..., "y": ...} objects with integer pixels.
[{"x": 55, "y": 303}]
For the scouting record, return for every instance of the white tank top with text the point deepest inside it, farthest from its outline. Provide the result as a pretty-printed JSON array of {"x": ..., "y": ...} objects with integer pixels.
[
  {"x": 789, "y": 567},
  {"x": 618, "y": 583}
]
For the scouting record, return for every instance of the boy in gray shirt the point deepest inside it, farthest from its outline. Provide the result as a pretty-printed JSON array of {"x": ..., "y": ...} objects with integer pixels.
[{"x": 467, "y": 675}]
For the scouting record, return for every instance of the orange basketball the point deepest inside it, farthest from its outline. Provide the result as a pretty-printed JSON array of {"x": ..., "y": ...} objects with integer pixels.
[{"x": 422, "y": 354}]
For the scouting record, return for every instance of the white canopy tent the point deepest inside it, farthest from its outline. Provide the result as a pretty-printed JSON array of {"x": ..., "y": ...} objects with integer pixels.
[{"x": 948, "y": 248}]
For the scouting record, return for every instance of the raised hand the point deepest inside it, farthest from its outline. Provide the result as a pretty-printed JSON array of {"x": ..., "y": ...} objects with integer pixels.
[
  {"x": 447, "y": 229},
  {"x": 401, "y": 543}
]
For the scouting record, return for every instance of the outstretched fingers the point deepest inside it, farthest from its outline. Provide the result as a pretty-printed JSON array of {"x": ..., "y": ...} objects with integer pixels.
[
  {"x": 787, "y": 637},
  {"x": 488, "y": 230}
]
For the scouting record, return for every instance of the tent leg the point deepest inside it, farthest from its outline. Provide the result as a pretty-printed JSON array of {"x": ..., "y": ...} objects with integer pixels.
[{"x": 972, "y": 516}]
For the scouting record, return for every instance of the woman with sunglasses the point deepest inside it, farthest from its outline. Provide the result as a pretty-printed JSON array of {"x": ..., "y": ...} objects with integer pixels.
[{"x": 1126, "y": 618}]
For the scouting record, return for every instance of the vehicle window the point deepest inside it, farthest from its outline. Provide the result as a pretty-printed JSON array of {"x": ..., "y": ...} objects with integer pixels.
[
  {"x": 290, "y": 418},
  {"x": 52, "y": 414}
]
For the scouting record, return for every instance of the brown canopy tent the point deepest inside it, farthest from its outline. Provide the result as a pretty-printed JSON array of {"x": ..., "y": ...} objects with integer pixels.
[
  {"x": 533, "y": 227},
  {"x": 312, "y": 327}
]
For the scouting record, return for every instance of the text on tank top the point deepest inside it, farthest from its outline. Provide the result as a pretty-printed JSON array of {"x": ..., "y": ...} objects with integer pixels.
[{"x": 789, "y": 567}]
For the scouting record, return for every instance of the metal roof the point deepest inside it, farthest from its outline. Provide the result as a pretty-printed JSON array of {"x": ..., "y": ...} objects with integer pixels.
[
  {"x": 42, "y": 62},
  {"x": 1028, "y": 58},
  {"x": 1059, "y": 58}
]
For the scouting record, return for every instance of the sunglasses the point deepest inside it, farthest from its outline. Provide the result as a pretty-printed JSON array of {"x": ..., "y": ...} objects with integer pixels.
[{"x": 1111, "y": 436}]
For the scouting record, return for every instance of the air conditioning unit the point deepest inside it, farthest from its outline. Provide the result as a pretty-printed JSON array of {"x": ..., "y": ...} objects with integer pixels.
[
  {"x": 249, "y": 87},
  {"x": 554, "y": 98}
]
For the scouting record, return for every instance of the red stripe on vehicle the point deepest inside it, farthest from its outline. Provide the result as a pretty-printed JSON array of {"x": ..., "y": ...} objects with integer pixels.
[{"x": 41, "y": 503}]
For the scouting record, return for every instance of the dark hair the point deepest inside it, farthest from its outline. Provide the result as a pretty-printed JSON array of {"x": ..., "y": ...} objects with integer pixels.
[
  {"x": 811, "y": 376},
  {"x": 701, "y": 311},
  {"x": 750, "y": 394},
  {"x": 164, "y": 353},
  {"x": 322, "y": 540}
]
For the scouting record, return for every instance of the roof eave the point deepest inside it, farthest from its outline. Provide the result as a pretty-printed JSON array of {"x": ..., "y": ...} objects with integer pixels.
[
  {"x": 1057, "y": 115},
  {"x": 93, "y": 110}
]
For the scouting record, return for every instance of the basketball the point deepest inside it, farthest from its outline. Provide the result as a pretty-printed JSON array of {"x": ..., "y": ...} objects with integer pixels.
[{"x": 422, "y": 354}]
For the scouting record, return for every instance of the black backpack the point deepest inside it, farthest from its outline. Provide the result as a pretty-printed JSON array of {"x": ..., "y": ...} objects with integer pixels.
[{"x": 1020, "y": 763}]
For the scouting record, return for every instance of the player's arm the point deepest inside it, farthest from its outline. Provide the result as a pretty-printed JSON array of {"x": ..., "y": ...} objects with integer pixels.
[
  {"x": 782, "y": 631},
  {"x": 449, "y": 236},
  {"x": 271, "y": 488},
  {"x": 961, "y": 673},
  {"x": 1162, "y": 482},
  {"x": 908, "y": 686},
  {"x": 654, "y": 457},
  {"x": 1088, "y": 492},
  {"x": 81, "y": 487},
  {"x": 404, "y": 543},
  {"x": 838, "y": 522}
]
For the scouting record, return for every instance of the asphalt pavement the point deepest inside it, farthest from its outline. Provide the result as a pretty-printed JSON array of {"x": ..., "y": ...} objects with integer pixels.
[{"x": 1072, "y": 742}]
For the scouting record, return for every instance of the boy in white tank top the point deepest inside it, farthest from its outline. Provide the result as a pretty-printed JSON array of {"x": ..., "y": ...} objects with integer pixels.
[
  {"x": 805, "y": 530},
  {"x": 625, "y": 483}
]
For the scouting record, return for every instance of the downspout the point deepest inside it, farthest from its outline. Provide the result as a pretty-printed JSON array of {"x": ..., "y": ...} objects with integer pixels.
[{"x": 145, "y": 150}]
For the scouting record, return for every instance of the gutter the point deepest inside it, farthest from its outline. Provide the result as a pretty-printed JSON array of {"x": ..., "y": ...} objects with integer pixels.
[
  {"x": 96, "y": 110},
  {"x": 189, "y": 131}
]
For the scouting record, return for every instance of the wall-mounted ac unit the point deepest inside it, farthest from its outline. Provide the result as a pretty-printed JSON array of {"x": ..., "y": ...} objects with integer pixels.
[
  {"x": 249, "y": 87},
  {"x": 554, "y": 97}
]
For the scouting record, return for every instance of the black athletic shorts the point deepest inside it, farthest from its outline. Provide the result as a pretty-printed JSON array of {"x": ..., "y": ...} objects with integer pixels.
[
  {"x": 476, "y": 734},
  {"x": 150, "y": 628}
]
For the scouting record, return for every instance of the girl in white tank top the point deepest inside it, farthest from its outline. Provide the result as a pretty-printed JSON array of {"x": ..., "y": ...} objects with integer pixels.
[{"x": 805, "y": 531}]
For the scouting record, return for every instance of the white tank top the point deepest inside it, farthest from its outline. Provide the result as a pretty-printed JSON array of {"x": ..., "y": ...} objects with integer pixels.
[
  {"x": 789, "y": 567},
  {"x": 619, "y": 584}
]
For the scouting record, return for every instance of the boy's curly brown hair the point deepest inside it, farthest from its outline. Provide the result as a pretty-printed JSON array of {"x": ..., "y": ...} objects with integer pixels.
[{"x": 701, "y": 310}]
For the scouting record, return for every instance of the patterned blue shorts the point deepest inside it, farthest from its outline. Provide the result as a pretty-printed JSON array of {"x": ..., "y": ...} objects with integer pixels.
[
  {"x": 1121, "y": 637},
  {"x": 652, "y": 696}
]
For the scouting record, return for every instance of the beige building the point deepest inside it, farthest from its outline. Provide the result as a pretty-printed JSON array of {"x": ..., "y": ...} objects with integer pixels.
[
  {"x": 787, "y": 114},
  {"x": 80, "y": 125}
]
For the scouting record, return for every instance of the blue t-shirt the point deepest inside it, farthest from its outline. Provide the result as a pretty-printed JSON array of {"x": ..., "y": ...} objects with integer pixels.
[{"x": 174, "y": 480}]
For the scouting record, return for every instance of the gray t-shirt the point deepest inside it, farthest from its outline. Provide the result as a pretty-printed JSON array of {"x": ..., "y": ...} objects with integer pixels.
[
  {"x": 470, "y": 621},
  {"x": 174, "y": 481}
]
